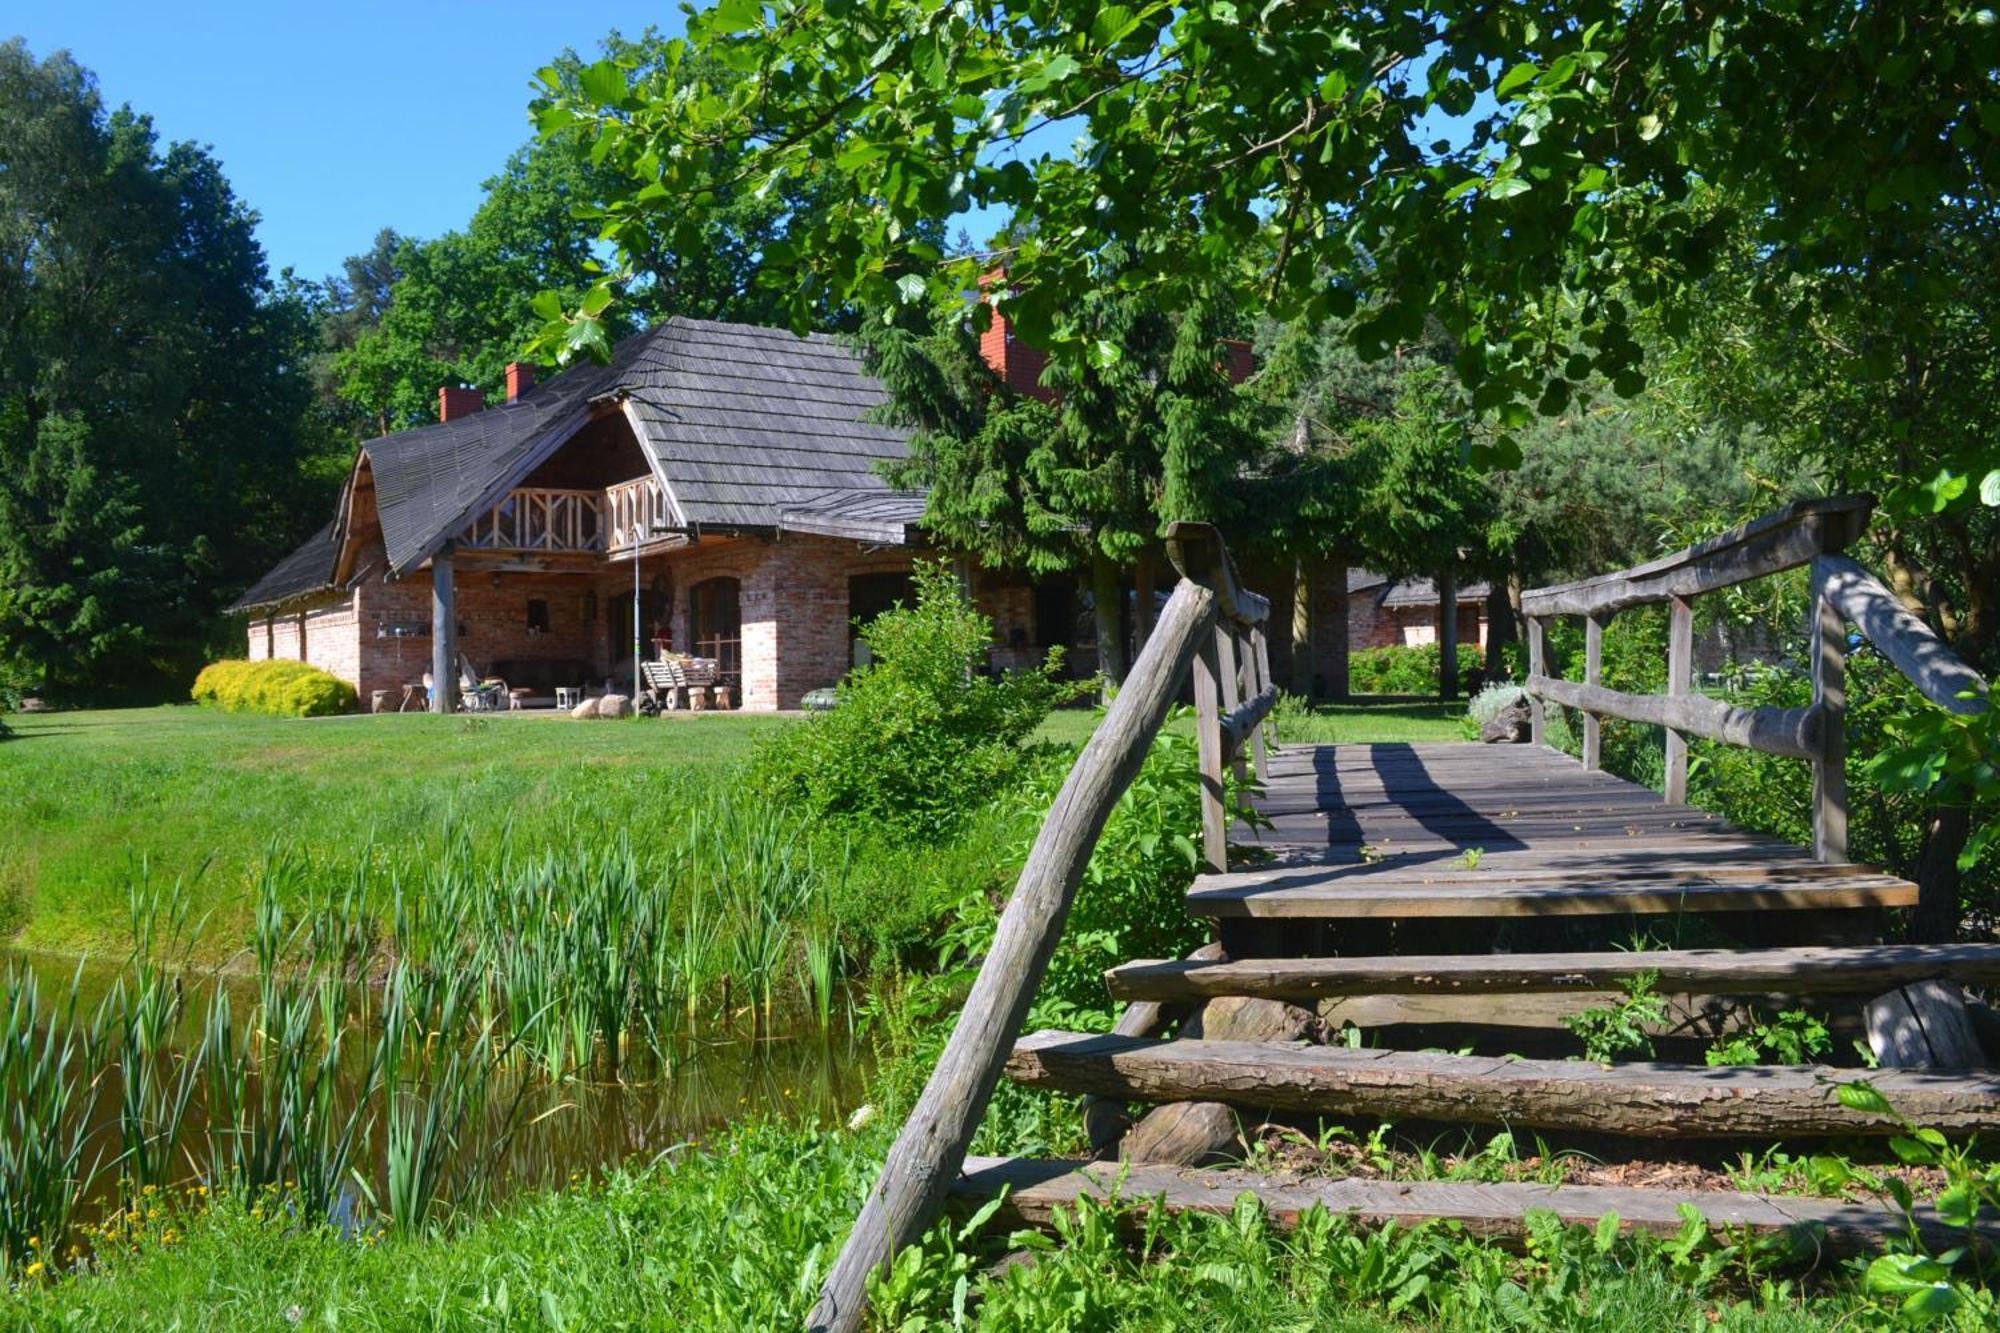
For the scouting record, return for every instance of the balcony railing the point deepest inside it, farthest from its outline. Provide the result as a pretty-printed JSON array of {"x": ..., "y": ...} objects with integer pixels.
[
  {"x": 633, "y": 510},
  {"x": 540, "y": 519}
]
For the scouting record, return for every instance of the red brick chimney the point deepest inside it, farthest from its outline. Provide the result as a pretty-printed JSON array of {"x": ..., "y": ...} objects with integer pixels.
[
  {"x": 1021, "y": 366},
  {"x": 457, "y": 400},
  {"x": 1018, "y": 365},
  {"x": 520, "y": 379}
]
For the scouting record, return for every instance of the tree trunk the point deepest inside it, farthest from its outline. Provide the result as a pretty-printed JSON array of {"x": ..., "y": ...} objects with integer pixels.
[
  {"x": 1502, "y": 631},
  {"x": 1945, "y": 830},
  {"x": 1105, "y": 597},
  {"x": 1336, "y": 665},
  {"x": 1302, "y": 639},
  {"x": 1145, "y": 578}
]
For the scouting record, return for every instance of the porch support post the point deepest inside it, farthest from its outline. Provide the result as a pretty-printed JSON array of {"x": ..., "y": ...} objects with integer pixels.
[
  {"x": 1447, "y": 589},
  {"x": 444, "y": 634}
]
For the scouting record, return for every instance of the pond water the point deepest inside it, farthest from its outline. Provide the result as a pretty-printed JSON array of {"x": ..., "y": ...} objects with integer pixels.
[{"x": 526, "y": 1132}]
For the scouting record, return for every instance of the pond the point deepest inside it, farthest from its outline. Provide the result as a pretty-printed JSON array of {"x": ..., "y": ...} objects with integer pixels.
[{"x": 222, "y": 1106}]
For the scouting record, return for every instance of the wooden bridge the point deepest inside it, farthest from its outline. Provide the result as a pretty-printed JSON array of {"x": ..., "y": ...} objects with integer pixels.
[{"x": 1466, "y": 897}]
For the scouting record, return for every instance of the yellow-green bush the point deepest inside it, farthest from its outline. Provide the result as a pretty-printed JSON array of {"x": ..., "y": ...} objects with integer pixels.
[{"x": 280, "y": 689}]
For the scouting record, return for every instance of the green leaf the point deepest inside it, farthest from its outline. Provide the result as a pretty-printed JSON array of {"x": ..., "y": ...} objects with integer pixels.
[
  {"x": 1958, "y": 1205},
  {"x": 1113, "y": 24},
  {"x": 1650, "y": 127},
  {"x": 1055, "y": 71},
  {"x": 603, "y": 83},
  {"x": 858, "y": 153},
  {"x": 1506, "y": 187},
  {"x": 1514, "y": 78},
  {"x": 732, "y": 16},
  {"x": 1607, "y": 1232},
  {"x": 1946, "y": 487},
  {"x": 910, "y": 288},
  {"x": 1861, "y": 1095}
]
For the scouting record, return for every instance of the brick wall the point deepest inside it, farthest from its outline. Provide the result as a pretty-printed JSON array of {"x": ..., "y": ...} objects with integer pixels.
[{"x": 792, "y": 595}]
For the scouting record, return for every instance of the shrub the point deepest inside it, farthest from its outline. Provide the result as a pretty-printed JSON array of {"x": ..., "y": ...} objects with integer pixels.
[
  {"x": 278, "y": 689},
  {"x": 919, "y": 739},
  {"x": 1411, "y": 669}
]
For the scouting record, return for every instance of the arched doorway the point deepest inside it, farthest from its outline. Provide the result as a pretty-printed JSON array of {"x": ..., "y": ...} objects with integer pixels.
[{"x": 715, "y": 625}]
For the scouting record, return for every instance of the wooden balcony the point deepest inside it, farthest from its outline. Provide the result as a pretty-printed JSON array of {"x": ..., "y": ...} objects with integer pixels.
[
  {"x": 540, "y": 519},
  {"x": 633, "y": 509}
]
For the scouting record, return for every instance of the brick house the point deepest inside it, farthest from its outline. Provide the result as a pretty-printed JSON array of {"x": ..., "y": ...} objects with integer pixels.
[{"x": 712, "y": 489}]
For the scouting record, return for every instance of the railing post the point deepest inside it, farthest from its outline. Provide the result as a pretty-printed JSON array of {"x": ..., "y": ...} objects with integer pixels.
[
  {"x": 1260, "y": 680},
  {"x": 1829, "y": 674},
  {"x": 930, "y": 1151},
  {"x": 1593, "y": 674},
  {"x": 1538, "y": 719},
  {"x": 1680, "y": 680},
  {"x": 1208, "y": 712},
  {"x": 1229, "y": 675}
]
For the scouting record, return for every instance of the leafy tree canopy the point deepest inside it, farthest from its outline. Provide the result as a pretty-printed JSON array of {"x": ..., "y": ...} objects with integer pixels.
[
  {"x": 410, "y": 315},
  {"x": 153, "y": 391},
  {"x": 1519, "y": 173}
]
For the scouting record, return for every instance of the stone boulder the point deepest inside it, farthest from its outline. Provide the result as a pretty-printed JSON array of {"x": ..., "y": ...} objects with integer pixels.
[
  {"x": 588, "y": 708},
  {"x": 1512, "y": 725},
  {"x": 1244, "y": 1018},
  {"x": 614, "y": 705},
  {"x": 1185, "y": 1134}
]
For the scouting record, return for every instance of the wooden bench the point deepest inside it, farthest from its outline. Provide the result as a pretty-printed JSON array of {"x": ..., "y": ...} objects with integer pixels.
[{"x": 667, "y": 681}]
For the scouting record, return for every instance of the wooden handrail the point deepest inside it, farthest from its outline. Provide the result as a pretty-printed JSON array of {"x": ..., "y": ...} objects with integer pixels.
[
  {"x": 1808, "y": 533},
  {"x": 931, "y": 1149},
  {"x": 1906, "y": 641},
  {"x": 1783, "y": 539}
]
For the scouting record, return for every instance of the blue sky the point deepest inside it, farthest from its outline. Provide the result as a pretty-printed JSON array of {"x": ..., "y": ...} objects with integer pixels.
[{"x": 333, "y": 121}]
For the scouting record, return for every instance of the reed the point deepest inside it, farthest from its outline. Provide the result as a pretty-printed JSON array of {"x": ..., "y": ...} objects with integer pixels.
[{"x": 47, "y": 1164}]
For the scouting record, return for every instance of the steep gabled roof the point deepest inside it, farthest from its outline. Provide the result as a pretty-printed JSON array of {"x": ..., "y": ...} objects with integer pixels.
[
  {"x": 305, "y": 571},
  {"x": 431, "y": 482},
  {"x": 746, "y": 421},
  {"x": 742, "y": 423}
]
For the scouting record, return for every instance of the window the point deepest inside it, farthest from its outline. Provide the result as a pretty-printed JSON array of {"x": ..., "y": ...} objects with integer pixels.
[{"x": 538, "y": 616}]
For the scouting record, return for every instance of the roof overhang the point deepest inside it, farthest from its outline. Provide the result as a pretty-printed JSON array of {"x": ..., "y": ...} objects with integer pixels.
[{"x": 878, "y": 517}]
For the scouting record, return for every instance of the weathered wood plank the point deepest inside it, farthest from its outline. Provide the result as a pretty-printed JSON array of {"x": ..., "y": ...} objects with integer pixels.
[
  {"x": 1792, "y": 732},
  {"x": 1867, "y": 969},
  {"x": 1829, "y": 756},
  {"x": 1361, "y": 900},
  {"x": 1593, "y": 676},
  {"x": 1210, "y": 755},
  {"x": 1781, "y": 540},
  {"x": 929, "y": 1150},
  {"x": 1496, "y": 1212},
  {"x": 1924, "y": 1025},
  {"x": 1538, "y": 721},
  {"x": 1680, "y": 688},
  {"x": 1902, "y": 638},
  {"x": 1645, "y": 1100}
]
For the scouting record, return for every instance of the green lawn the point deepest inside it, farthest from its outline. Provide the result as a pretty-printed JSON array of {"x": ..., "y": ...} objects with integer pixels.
[{"x": 94, "y": 798}]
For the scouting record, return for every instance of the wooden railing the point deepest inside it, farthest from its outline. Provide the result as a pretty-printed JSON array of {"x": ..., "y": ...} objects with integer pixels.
[
  {"x": 636, "y": 509},
  {"x": 539, "y": 519},
  {"x": 1210, "y": 626},
  {"x": 1811, "y": 532}
]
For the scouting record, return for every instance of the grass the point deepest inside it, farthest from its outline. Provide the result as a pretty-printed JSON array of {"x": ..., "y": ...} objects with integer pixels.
[
  {"x": 191, "y": 793},
  {"x": 735, "y": 1235}
]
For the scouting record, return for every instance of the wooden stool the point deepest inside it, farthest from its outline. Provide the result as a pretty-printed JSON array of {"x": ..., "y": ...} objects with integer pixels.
[
  {"x": 377, "y": 700},
  {"x": 698, "y": 698},
  {"x": 566, "y": 696},
  {"x": 517, "y": 700},
  {"x": 722, "y": 697}
]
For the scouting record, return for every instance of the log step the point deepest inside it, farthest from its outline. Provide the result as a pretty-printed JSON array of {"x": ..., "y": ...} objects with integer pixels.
[
  {"x": 1348, "y": 892},
  {"x": 1035, "y": 1189},
  {"x": 1869, "y": 969},
  {"x": 1666, "y": 1101}
]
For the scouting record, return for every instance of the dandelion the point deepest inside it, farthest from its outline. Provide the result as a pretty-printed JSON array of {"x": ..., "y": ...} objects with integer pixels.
[{"x": 37, "y": 1268}]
